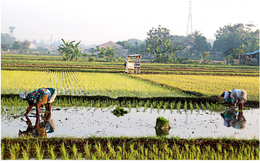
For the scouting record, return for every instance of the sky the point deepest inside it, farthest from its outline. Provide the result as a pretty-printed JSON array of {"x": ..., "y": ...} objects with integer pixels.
[{"x": 99, "y": 21}]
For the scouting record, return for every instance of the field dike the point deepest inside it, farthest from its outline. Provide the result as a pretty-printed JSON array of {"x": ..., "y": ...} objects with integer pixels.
[
  {"x": 127, "y": 148},
  {"x": 82, "y": 100}
]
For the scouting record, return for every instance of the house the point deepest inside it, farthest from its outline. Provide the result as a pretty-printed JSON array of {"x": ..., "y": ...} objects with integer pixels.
[
  {"x": 253, "y": 57},
  {"x": 120, "y": 51},
  {"x": 190, "y": 44},
  {"x": 229, "y": 51},
  {"x": 109, "y": 44},
  {"x": 32, "y": 46}
]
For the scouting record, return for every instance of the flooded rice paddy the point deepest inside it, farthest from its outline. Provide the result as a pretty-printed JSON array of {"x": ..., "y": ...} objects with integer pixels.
[{"x": 84, "y": 122}]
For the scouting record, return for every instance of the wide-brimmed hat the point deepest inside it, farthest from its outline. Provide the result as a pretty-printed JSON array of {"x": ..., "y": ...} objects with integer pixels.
[{"x": 23, "y": 95}]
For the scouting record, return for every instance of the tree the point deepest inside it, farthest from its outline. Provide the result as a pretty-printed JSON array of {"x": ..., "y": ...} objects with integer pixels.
[
  {"x": 228, "y": 59},
  {"x": 205, "y": 56},
  {"x": 25, "y": 45},
  {"x": 5, "y": 47},
  {"x": 201, "y": 43},
  {"x": 148, "y": 51},
  {"x": 234, "y": 36},
  {"x": 238, "y": 52},
  {"x": 11, "y": 30},
  {"x": 92, "y": 50},
  {"x": 101, "y": 52},
  {"x": 110, "y": 53},
  {"x": 154, "y": 35},
  {"x": 69, "y": 51},
  {"x": 75, "y": 52},
  {"x": 7, "y": 39},
  {"x": 16, "y": 45}
]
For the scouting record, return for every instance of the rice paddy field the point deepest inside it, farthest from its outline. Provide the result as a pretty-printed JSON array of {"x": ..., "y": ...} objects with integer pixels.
[
  {"x": 88, "y": 92},
  {"x": 208, "y": 84}
]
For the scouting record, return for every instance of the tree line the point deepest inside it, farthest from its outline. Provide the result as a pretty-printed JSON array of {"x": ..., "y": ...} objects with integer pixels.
[{"x": 160, "y": 46}]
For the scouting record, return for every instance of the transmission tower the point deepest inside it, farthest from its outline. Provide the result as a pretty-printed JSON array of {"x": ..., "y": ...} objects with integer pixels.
[{"x": 189, "y": 25}]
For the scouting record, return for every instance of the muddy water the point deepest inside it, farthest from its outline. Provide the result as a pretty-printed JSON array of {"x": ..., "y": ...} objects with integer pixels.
[{"x": 83, "y": 122}]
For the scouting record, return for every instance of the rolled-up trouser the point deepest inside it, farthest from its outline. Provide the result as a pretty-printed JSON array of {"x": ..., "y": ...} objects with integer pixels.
[
  {"x": 43, "y": 100},
  {"x": 53, "y": 97}
]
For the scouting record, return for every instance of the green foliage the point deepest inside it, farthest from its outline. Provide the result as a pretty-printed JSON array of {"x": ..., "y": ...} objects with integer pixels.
[
  {"x": 7, "y": 39},
  {"x": 92, "y": 59},
  {"x": 234, "y": 36},
  {"x": 161, "y": 120},
  {"x": 69, "y": 51},
  {"x": 119, "y": 111}
]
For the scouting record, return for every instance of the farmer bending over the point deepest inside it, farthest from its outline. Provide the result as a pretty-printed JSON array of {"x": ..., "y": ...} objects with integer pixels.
[
  {"x": 235, "y": 96},
  {"x": 38, "y": 98}
]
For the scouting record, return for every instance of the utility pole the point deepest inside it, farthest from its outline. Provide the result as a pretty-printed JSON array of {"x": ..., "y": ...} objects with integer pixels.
[
  {"x": 189, "y": 25},
  {"x": 51, "y": 45}
]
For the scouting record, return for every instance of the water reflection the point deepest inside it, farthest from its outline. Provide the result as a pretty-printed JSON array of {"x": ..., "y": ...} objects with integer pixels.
[
  {"x": 161, "y": 132},
  {"x": 83, "y": 122},
  {"x": 119, "y": 112},
  {"x": 234, "y": 118},
  {"x": 43, "y": 125}
]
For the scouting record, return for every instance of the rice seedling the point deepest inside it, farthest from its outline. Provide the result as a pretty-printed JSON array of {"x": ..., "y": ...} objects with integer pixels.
[
  {"x": 191, "y": 106},
  {"x": 39, "y": 152},
  {"x": 178, "y": 106},
  {"x": 203, "y": 107},
  {"x": 98, "y": 150},
  {"x": 14, "y": 151},
  {"x": 52, "y": 153},
  {"x": 148, "y": 148},
  {"x": 25, "y": 154},
  {"x": 87, "y": 148},
  {"x": 165, "y": 106},
  {"x": 2, "y": 151},
  {"x": 172, "y": 104},
  {"x": 65, "y": 155}
]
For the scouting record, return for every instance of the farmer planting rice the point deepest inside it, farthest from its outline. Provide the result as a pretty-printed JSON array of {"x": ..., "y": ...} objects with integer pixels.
[
  {"x": 39, "y": 97},
  {"x": 231, "y": 118},
  {"x": 235, "y": 96}
]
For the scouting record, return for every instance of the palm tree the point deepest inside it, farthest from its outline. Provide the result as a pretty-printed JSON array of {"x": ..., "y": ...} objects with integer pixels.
[
  {"x": 75, "y": 51},
  {"x": 64, "y": 50},
  {"x": 110, "y": 52},
  {"x": 69, "y": 51},
  {"x": 101, "y": 52}
]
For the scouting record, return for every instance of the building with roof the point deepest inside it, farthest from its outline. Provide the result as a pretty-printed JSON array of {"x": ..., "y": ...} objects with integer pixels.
[
  {"x": 190, "y": 44},
  {"x": 253, "y": 58},
  {"x": 120, "y": 51}
]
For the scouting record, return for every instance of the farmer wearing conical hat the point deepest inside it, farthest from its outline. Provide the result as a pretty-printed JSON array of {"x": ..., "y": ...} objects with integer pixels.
[{"x": 38, "y": 98}]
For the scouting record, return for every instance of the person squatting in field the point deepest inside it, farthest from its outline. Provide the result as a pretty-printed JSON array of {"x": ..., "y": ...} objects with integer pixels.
[
  {"x": 231, "y": 118},
  {"x": 39, "y": 97}
]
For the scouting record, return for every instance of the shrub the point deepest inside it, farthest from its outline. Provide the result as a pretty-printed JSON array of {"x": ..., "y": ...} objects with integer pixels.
[{"x": 92, "y": 59}]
